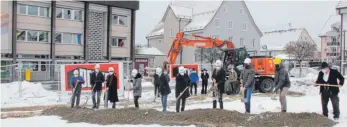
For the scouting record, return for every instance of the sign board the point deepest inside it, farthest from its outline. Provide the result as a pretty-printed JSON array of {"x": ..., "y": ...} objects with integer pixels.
[
  {"x": 174, "y": 68},
  {"x": 85, "y": 70}
]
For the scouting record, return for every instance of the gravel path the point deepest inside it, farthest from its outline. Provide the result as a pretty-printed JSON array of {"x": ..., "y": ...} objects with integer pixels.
[{"x": 198, "y": 117}]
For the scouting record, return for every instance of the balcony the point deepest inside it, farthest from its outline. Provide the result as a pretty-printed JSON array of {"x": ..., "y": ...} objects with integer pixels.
[
  {"x": 334, "y": 43},
  {"x": 332, "y": 54}
]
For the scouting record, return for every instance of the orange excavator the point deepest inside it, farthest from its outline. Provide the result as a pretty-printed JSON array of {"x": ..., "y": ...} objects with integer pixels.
[{"x": 263, "y": 65}]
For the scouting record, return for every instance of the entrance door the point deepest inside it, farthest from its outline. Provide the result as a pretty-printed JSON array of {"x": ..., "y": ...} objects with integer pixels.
[{"x": 140, "y": 65}]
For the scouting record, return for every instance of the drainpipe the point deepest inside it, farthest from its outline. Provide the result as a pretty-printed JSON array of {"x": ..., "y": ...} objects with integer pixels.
[
  {"x": 179, "y": 29},
  {"x": 342, "y": 45}
]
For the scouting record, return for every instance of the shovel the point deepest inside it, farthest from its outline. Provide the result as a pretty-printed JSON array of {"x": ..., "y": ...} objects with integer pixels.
[
  {"x": 126, "y": 105},
  {"x": 274, "y": 97}
]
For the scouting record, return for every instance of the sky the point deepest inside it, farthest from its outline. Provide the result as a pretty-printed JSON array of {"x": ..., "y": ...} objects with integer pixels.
[{"x": 311, "y": 15}]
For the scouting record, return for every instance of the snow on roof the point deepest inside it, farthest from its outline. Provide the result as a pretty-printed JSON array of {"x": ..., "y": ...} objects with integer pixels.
[
  {"x": 341, "y": 4},
  {"x": 158, "y": 30},
  {"x": 148, "y": 51},
  {"x": 333, "y": 19},
  {"x": 199, "y": 6},
  {"x": 182, "y": 12},
  {"x": 199, "y": 21},
  {"x": 276, "y": 40}
]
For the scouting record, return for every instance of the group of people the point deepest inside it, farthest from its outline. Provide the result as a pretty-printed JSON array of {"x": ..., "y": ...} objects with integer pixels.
[{"x": 185, "y": 81}]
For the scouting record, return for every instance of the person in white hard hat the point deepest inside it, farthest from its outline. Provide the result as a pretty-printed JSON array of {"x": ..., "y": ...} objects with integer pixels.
[
  {"x": 112, "y": 84},
  {"x": 218, "y": 78},
  {"x": 76, "y": 85},
  {"x": 164, "y": 88},
  {"x": 96, "y": 80},
  {"x": 137, "y": 88},
  {"x": 248, "y": 81},
  {"x": 181, "y": 89}
]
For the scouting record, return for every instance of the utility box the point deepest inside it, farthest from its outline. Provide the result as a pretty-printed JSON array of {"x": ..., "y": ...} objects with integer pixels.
[{"x": 27, "y": 74}]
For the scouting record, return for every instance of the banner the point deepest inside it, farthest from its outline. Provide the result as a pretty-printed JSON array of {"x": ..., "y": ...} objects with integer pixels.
[
  {"x": 174, "y": 68},
  {"x": 85, "y": 70}
]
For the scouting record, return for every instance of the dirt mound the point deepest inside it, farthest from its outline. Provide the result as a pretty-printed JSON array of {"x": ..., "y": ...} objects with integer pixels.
[{"x": 198, "y": 117}]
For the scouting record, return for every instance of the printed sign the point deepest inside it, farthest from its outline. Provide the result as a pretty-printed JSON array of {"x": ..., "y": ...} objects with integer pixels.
[
  {"x": 174, "y": 68},
  {"x": 85, "y": 71}
]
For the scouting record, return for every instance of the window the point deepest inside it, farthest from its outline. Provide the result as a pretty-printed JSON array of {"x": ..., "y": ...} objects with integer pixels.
[
  {"x": 241, "y": 42},
  {"x": 119, "y": 20},
  {"x": 59, "y": 12},
  {"x": 244, "y": 27},
  {"x": 118, "y": 41},
  {"x": 242, "y": 11},
  {"x": 32, "y": 35},
  {"x": 171, "y": 33},
  {"x": 217, "y": 23},
  {"x": 68, "y": 38},
  {"x": 43, "y": 37},
  {"x": 57, "y": 38},
  {"x": 67, "y": 13},
  {"x": 22, "y": 9},
  {"x": 230, "y": 24},
  {"x": 32, "y": 10},
  {"x": 225, "y": 9},
  {"x": 21, "y": 35},
  {"x": 78, "y": 15},
  {"x": 43, "y": 11},
  {"x": 43, "y": 66},
  {"x": 253, "y": 42},
  {"x": 230, "y": 38}
]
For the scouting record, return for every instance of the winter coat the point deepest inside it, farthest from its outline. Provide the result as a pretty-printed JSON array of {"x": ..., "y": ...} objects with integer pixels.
[
  {"x": 137, "y": 88},
  {"x": 181, "y": 84},
  {"x": 248, "y": 77},
  {"x": 332, "y": 80},
  {"x": 194, "y": 77},
  {"x": 156, "y": 80},
  {"x": 97, "y": 80},
  {"x": 79, "y": 84},
  {"x": 219, "y": 76},
  {"x": 281, "y": 78},
  {"x": 164, "y": 87},
  {"x": 204, "y": 77},
  {"x": 232, "y": 76},
  {"x": 111, "y": 84}
]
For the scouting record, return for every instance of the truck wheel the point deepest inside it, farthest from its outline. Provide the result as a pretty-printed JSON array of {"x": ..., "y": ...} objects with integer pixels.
[{"x": 266, "y": 85}]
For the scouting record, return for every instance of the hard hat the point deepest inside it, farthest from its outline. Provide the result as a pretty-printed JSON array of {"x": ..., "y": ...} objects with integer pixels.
[
  {"x": 75, "y": 72},
  {"x": 218, "y": 63},
  {"x": 134, "y": 72},
  {"x": 277, "y": 60},
  {"x": 247, "y": 61},
  {"x": 158, "y": 70},
  {"x": 110, "y": 69},
  {"x": 97, "y": 66}
]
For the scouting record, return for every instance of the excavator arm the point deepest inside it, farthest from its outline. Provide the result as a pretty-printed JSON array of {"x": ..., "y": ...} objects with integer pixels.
[{"x": 200, "y": 42}]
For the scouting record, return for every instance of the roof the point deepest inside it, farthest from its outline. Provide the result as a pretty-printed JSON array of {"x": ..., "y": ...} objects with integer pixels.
[
  {"x": 276, "y": 40},
  {"x": 148, "y": 51},
  {"x": 182, "y": 12},
  {"x": 341, "y": 4},
  {"x": 199, "y": 21},
  {"x": 333, "y": 20},
  {"x": 158, "y": 30}
]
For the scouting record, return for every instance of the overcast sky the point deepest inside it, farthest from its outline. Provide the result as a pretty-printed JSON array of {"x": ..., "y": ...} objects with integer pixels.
[{"x": 311, "y": 15}]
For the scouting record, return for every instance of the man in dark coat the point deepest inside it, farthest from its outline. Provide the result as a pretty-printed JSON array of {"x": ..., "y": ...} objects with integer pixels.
[
  {"x": 164, "y": 88},
  {"x": 96, "y": 80},
  {"x": 156, "y": 82},
  {"x": 76, "y": 85},
  {"x": 218, "y": 78},
  {"x": 282, "y": 83},
  {"x": 181, "y": 89},
  {"x": 204, "y": 78},
  {"x": 330, "y": 76},
  {"x": 111, "y": 84}
]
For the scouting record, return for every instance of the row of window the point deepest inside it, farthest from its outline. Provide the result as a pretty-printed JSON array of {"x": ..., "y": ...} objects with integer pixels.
[
  {"x": 242, "y": 41},
  {"x": 63, "y": 38},
  {"x": 231, "y": 25},
  {"x": 63, "y": 13},
  {"x": 225, "y": 10}
]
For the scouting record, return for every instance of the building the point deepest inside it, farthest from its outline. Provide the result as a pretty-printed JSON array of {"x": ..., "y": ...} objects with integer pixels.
[
  {"x": 145, "y": 57},
  {"x": 331, "y": 40},
  {"x": 273, "y": 42},
  {"x": 38, "y": 33},
  {"x": 227, "y": 20},
  {"x": 341, "y": 9}
]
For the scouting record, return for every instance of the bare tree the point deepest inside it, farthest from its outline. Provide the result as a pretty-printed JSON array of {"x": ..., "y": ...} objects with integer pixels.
[
  {"x": 209, "y": 55},
  {"x": 301, "y": 50}
]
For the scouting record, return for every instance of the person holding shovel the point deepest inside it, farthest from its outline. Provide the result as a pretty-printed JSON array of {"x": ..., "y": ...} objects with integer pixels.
[
  {"x": 282, "y": 82},
  {"x": 218, "y": 78},
  {"x": 164, "y": 88},
  {"x": 96, "y": 81},
  {"x": 181, "y": 89},
  {"x": 137, "y": 89},
  {"x": 76, "y": 85},
  {"x": 111, "y": 84},
  {"x": 248, "y": 81},
  {"x": 330, "y": 76}
]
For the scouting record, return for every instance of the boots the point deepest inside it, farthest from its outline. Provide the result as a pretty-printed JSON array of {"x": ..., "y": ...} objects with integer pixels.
[
  {"x": 214, "y": 104},
  {"x": 114, "y": 105},
  {"x": 221, "y": 104}
]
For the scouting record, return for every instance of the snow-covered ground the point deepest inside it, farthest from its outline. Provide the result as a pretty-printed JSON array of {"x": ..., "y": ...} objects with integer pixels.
[{"x": 34, "y": 94}]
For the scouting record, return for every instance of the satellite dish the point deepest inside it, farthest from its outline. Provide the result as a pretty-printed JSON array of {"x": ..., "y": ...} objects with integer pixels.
[{"x": 264, "y": 47}]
